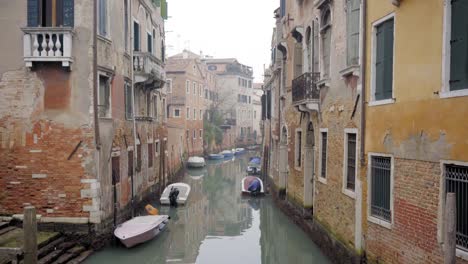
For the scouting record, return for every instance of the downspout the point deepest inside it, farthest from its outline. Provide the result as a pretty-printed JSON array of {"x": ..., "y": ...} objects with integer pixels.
[
  {"x": 95, "y": 81},
  {"x": 363, "y": 81},
  {"x": 132, "y": 77}
]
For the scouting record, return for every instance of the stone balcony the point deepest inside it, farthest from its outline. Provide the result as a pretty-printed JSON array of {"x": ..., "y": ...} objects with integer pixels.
[
  {"x": 48, "y": 44},
  {"x": 148, "y": 70},
  {"x": 305, "y": 92}
]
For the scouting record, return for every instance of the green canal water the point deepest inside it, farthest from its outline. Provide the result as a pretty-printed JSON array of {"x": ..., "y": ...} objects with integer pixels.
[{"x": 218, "y": 225}]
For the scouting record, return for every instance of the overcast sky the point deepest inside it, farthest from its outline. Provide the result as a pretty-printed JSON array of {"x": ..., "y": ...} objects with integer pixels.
[{"x": 239, "y": 29}]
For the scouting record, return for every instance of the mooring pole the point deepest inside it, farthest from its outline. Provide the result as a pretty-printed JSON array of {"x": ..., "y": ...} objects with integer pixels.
[
  {"x": 450, "y": 229},
  {"x": 30, "y": 235}
]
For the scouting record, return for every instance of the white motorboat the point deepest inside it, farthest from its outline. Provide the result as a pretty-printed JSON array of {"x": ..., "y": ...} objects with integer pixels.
[
  {"x": 196, "y": 162},
  {"x": 184, "y": 191},
  {"x": 247, "y": 181},
  {"x": 141, "y": 229}
]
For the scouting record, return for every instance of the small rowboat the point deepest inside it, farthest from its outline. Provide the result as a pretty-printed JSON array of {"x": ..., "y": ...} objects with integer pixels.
[
  {"x": 216, "y": 156},
  {"x": 141, "y": 229},
  {"x": 184, "y": 191},
  {"x": 196, "y": 162},
  {"x": 240, "y": 151},
  {"x": 246, "y": 183}
]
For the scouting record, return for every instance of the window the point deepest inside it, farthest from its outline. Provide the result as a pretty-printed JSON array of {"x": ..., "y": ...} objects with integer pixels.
[
  {"x": 250, "y": 84},
  {"x": 315, "y": 46},
  {"x": 298, "y": 149},
  {"x": 326, "y": 42},
  {"x": 115, "y": 170},
  {"x": 194, "y": 134},
  {"x": 177, "y": 112},
  {"x": 150, "y": 155},
  {"x": 201, "y": 114},
  {"x": 155, "y": 107},
  {"x": 164, "y": 112},
  {"x": 169, "y": 85},
  {"x": 194, "y": 88},
  {"x": 382, "y": 60},
  {"x": 456, "y": 49},
  {"x": 104, "y": 97},
  {"x": 255, "y": 114},
  {"x": 239, "y": 81},
  {"x": 157, "y": 148},
  {"x": 50, "y": 13},
  {"x": 138, "y": 168},
  {"x": 130, "y": 163},
  {"x": 187, "y": 87},
  {"x": 102, "y": 17},
  {"x": 126, "y": 25},
  {"x": 194, "y": 114},
  {"x": 201, "y": 133},
  {"x": 200, "y": 90},
  {"x": 149, "y": 104},
  {"x": 282, "y": 8},
  {"x": 350, "y": 161},
  {"x": 456, "y": 181},
  {"x": 323, "y": 153},
  {"x": 352, "y": 31},
  {"x": 206, "y": 93},
  {"x": 128, "y": 101},
  {"x": 188, "y": 113},
  {"x": 136, "y": 36},
  {"x": 380, "y": 189},
  {"x": 149, "y": 42}
]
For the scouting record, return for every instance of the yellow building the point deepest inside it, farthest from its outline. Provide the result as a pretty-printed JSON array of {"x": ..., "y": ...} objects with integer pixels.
[{"x": 416, "y": 128}]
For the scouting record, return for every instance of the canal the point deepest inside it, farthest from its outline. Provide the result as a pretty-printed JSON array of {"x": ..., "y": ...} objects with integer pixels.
[{"x": 218, "y": 225}]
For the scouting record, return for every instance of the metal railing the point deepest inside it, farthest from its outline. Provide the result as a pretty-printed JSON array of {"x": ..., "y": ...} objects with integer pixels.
[
  {"x": 456, "y": 181},
  {"x": 47, "y": 44},
  {"x": 380, "y": 188},
  {"x": 304, "y": 88}
]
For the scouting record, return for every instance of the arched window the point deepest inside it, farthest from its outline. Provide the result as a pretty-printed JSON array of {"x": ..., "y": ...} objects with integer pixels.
[{"x": 325, "y": 28}]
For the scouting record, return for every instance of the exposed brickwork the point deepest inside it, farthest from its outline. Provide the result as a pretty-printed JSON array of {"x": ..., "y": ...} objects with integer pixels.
[{"x": 413, "y": 236}]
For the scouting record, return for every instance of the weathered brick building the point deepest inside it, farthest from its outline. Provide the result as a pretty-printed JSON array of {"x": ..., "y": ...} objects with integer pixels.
[{"x": 80, "y": 127}]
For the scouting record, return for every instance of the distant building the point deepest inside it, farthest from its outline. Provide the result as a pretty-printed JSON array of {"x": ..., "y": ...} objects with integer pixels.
[{"x": 235, "y": 83}]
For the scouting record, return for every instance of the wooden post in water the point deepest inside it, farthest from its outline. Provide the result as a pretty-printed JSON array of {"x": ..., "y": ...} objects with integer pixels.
[
  {"x": 30, "y": 235},
  {"x": 450, "y": 229}
]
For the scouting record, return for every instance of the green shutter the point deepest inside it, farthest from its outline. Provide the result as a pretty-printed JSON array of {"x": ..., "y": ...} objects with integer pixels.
[
  {"x": 352, "y": 31},
  {"x": 136, "y": 36},
  {"x": 384, "y": 61},
  {"x": 68, "y": 13},
  {"x": 164, "y": 9},
  {"x": 459, "y": 46},
  {"x": 33, "y": 13}
]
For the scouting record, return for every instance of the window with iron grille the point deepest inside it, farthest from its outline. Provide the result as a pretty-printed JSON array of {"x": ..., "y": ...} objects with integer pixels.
[
  {"x": 150, "y": 155},
  {"x": 323, "y": 158},
  {"x": 350, "y": 169},
  {"x": 128, "y": 101},
  {"x": 456, "y": 181},
  {"x": 138, "y": 168},
  {"x": 104, "y": 97},
  {"x": 380, "y": 188}
]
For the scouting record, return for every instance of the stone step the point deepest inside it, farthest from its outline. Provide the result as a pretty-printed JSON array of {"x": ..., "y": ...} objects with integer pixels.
[
  {"x": 50, "y": 247},
  {"x": 81, "y": 257},
  {"x": 56, "y": 253},
  {"x": 7, "y": 229},
  {"x": 70, "y": 254}
]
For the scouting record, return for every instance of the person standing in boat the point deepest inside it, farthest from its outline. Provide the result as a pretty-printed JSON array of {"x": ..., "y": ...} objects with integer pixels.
[{"x": 173, "y": 196}]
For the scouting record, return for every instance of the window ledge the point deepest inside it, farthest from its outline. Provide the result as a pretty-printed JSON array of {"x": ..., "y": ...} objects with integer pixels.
[
  {"x": 105, "y": 39},
  {"x": 322, "y": 180},
  {"x": 350, "y": 71},
  {"x": 379, "y": 222},
  {"x": 349, "y": 193},
  {"x": 106, "y": 118},
  {"x": 382, "y": 102},
  {"x": 324, "y": 82},
  {"x": 462, "y": 254},
  {"x": 451, "y": 94}
]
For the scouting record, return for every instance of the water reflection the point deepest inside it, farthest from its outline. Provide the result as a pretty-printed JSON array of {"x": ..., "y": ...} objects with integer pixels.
[{"x": 218, "y": 225}]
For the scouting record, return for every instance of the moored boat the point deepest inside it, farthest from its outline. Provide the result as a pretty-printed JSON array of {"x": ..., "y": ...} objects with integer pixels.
[
  {"x": 252, "y": 185},
  {"x": 240, "y": 151},
  {"x": 184, "y": 191},
  {"x": 196, "y": 162},
  {"x": 141, "y": 229},
  {"x": 216, "y": 156},
  {"x": 227, "y": 153}
]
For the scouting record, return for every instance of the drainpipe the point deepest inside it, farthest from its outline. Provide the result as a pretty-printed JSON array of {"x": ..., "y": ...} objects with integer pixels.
[
  {"x": 95, "y": 81},
  {"x": 363, "y": 81},
  {"x": 132, "y": 77}
]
